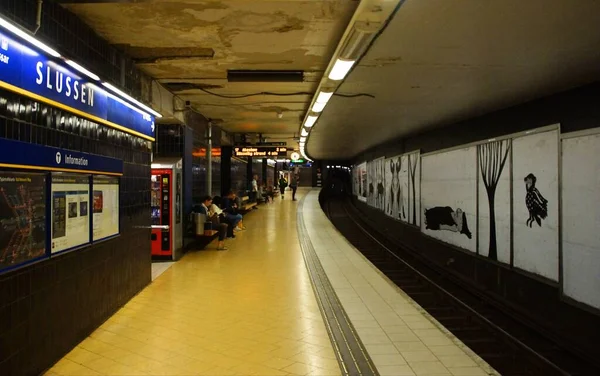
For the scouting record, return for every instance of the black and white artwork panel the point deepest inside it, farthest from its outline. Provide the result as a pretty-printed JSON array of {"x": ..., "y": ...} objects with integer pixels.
[
  {"x": 371, "y": 183},
  {"x": 379, "y": 166},
  {"x": 581, "y": 218},
  {"x": 363, "y": 186},
  {"x": 413, "y": 165},
  {"x": 535, "y": 203},
  {"x": 448, "y": 196},
  {"x": 494, "y": 167}
]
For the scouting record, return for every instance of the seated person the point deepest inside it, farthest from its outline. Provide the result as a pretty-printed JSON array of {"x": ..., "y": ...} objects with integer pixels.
[
  {"x": 230, "y": 206},
  {"x": 207, "y": 208}
]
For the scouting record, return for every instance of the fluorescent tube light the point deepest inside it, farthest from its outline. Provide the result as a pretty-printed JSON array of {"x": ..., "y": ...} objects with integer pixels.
[
  {"x": 324, "y": 97},
  {"x": 318, "y": 107},
  {"x": 24, "y": 35},
  {"x": 129, "y": 98},
  {"x": 310, "y": 121},
  {"x": 302, "y": 139},
  {"x": 304, "y": 132},
  {"x": 340, "y": 69},
  {"x": 83, "y": 70}
]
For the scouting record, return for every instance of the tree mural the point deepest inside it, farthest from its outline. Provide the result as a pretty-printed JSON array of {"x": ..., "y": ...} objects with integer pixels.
[
  {"x": 412, "y": 169},
  {"x": 492, "y": 158}
]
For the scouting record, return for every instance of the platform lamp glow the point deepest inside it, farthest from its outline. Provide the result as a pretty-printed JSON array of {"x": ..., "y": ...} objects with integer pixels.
[
  {"x": 303, "y": 132},
  {"x": 310, "y": 121},
  {"x": 321, "y": 101}
]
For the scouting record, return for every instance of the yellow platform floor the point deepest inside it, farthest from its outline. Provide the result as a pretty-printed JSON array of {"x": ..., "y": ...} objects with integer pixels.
[{"x": 250, "y": 310}]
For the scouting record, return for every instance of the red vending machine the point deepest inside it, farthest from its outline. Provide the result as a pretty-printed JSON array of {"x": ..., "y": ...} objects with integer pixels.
[{"x": 166, "y": 202}]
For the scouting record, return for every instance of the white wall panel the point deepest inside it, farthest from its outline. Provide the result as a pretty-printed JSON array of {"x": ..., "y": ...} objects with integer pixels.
[
  {"x": 363, "y": 182},
  {"x": 448, "y": 187},
  {"x": 535, "y": 212},
  {"x": 413, "y": 164},
  {"x": 493, "y": 159},
  {"x": 581, "y": 218}
]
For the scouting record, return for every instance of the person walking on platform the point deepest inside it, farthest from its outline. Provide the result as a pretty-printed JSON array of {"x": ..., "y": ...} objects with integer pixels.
[
  {"x": 294, "y": 185},
  {"x": 282, "y": 184},
  {"x": 254, "y": 188}
]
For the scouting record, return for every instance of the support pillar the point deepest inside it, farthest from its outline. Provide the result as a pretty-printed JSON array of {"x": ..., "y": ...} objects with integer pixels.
[
  {"x": 264, "y": 171},
  {"x": 226, "y": 153}
]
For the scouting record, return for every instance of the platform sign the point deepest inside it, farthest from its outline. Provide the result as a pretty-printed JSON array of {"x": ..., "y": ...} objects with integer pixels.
[
  {"x": 259, "y": 151},
  {"x": 26, "y": 71}
]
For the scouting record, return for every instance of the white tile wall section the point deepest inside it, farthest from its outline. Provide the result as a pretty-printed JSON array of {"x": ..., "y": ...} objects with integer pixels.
[{"x": 401, "y": 338}]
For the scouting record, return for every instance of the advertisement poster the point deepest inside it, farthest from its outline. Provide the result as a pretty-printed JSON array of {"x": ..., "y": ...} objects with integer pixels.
[
  {"x": 106, "y": 207},
  {"x": 70, "y": 211},
  {"x": 22, "y": 218},
  {"x": 362, "y": 182}
]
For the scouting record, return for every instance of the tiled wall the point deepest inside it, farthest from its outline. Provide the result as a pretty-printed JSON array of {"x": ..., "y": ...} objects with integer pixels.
[{"x": 47, "y": 308}]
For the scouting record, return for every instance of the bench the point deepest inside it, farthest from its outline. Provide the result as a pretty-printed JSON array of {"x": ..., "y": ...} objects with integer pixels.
[
  {"x": 246, "y": 204},
  {"x": 202, "y": 239}
]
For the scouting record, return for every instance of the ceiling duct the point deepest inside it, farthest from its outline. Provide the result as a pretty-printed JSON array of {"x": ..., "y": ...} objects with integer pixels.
[{"x": 265, "y": 76}]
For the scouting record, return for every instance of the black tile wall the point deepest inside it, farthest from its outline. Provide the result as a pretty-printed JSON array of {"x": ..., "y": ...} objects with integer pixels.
[
  {"x": 238, "y": 175},
  {"x": 48, "y": 307}
]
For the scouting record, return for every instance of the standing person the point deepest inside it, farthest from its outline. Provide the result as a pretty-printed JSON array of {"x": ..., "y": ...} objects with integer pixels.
[
  {"x": 282, "y": 184},
  {"x": 254, "y": 187},
  {"x": 294, "y": 185}
]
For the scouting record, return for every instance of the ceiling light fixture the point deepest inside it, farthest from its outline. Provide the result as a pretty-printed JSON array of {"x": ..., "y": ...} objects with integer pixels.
[
  {"x": 303, "y": 132},
  {"x": 83, "y": 70},
  {"x": 321, "y": 101},
  {"x": 310, "y": 121},
  {"x": 302, "y": 139},
  {"x": 24, "y": 35},
  {"x": 121, "y": 93},
  {"x": 340, "y": 69}
]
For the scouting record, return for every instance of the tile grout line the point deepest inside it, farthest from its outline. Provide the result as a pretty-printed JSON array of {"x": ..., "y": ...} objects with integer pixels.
[{"x": 350, "y": 352}]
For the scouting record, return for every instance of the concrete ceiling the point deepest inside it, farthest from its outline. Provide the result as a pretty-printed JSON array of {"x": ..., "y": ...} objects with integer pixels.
[
  {"x": 189, "y": 46},
  {"x": 441, "y": 61}
]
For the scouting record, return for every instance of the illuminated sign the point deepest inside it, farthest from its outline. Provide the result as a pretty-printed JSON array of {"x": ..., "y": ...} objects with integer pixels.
[
  {"x": 28, "y": 72},
  {"x": 201, "y": 152},
  {"x": 258, "y": 151}
]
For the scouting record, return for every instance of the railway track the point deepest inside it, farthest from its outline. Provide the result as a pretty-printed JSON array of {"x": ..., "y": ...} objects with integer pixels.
[{"x": 505, "y": 342}]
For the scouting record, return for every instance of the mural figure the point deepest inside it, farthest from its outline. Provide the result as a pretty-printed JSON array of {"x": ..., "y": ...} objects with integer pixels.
[
  {"x": 380, "y": 188},
  {"x": 445, "y": 218},
  {"x": 492, "y": 158},
  {"x": 412, "y": 169},
  {"x": 396, "y": 200},
  {"x": 536, "y": 203}
]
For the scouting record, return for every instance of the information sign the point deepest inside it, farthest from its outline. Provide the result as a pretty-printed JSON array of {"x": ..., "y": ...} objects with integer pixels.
[
  {"x": 105, "y": 207},
  {"x": 70, "y": 211},
  {"x": 22, "y": 218},
  {"x": 259, "y": 151}
]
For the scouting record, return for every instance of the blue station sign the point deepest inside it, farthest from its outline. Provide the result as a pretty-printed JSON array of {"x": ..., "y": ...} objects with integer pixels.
[
  {"x": 24, "y": 70},
  {"x": 16, "y": 154}
]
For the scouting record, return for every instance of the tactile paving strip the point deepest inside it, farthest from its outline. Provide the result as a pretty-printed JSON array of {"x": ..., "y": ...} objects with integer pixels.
[{"x": 351, "y": 353}]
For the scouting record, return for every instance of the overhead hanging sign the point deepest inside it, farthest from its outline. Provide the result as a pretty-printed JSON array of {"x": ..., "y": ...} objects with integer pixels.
[
  {"x": 257, "y": 151},
  {"x": 16, "y": 154},
  {"x": 26, "y": 71}
]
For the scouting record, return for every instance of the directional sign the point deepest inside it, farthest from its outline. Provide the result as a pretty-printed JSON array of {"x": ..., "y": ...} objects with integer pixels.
[{"x": 258, "y": 151}]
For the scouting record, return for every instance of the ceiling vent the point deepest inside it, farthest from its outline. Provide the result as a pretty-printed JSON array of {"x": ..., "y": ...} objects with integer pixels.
[{"x": 265, "y": 76}]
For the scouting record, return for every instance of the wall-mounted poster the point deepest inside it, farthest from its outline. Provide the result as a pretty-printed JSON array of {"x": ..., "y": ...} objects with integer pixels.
[
  {"x": 70, "y": 220},
  {"x": 371, "y": 183},
  {"x": 393, "y": 187},
  {"x": 378, "y": 187},
  {"x": 355, "y": 181},
  {"x": 581, "y": 218},
  {"x": 413, "y": 189},
  {"x": 448, "y": 196},
  {"x": 105, "y": 207},
  {"x": 535, "y": 203},
  {"x": 22, "y": 218},
  {"x": 493, "y": 159},
  {"x": 363, "y": 182}
]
